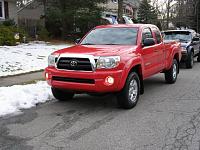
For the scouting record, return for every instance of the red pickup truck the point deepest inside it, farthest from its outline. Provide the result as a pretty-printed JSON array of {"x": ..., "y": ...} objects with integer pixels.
[{"x": 113, "y": 58}]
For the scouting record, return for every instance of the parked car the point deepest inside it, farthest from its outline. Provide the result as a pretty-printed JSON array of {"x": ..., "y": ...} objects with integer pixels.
[
  {"x": 113, "y": 20},
  {"x": 113, "y": 59},
  {"x": 190, "y": 44},
  {"x": 127, "y": 20},
  {"x": 108, "y": 20}
]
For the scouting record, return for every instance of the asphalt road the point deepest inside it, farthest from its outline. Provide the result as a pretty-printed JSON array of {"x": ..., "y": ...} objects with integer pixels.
[{"x": 167, "y": 117}]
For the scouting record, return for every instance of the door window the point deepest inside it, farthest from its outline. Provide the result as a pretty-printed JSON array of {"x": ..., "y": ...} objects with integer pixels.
[
  {"x": 146, "y": 34},
  {"x": 158, "y": 36}
]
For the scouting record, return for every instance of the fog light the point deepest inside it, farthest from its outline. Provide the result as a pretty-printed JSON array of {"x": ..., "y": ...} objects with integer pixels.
[
  {"x": 109, "y": 80},
  {"x": 47, "y": 76}
]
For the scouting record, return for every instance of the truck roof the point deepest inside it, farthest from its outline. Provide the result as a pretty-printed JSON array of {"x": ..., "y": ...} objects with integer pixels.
[
  {"x": 185, "y": 30},
  {"x": 181, "y": 31},
  {"x": 126, "y": 26}
]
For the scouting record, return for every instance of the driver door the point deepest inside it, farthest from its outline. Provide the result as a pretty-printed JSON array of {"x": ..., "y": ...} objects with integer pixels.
[{"x": 149, "y": 54}]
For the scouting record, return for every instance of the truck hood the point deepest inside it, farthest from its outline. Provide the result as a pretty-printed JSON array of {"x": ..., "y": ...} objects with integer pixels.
[
  {"x": 185, "y": 45},
  {"x": 98, "y": 50}
]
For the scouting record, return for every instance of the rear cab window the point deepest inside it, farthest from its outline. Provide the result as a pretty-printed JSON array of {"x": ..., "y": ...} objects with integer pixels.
[{"x": 181, "y": 36}]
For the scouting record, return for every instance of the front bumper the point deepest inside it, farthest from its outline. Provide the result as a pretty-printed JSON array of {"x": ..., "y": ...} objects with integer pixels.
[
  {"x": 184, "y": 55},
  {"x": 77, "y": 81}
]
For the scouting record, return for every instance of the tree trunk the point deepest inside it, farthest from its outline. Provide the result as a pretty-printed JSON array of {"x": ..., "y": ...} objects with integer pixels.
[
  {"x": 120, "y": 11},
  {"x": 45, "y": 10},
  {"x": 197, "y": 15},
  {"x": 168, "y": 11}
]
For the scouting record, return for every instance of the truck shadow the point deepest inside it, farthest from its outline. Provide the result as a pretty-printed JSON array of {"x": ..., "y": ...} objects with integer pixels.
[
  {"x": 82, "y": 101},
  {"x": 87, "y": 101}
]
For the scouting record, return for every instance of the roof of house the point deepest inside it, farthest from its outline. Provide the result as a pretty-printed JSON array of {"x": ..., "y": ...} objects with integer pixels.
[{"x": 26, "y": 5}]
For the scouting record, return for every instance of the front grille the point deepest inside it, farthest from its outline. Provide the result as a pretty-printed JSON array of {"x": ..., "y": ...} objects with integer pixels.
[
  {"x": 75, "y": 80},
  {"x": 79, "y": 64}
]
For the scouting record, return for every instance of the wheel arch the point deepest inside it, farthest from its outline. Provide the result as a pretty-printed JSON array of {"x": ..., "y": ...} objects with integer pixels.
[
  {"x": 134, "y": 68},
  {"x": 138, "y": 70},
  {"x": 190, "y": 49}
]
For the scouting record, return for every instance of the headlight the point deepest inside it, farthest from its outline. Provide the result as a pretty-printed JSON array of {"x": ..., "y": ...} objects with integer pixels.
[
  {"x": 52, "y": 60},
  {"x": 184, "y": 49},
  {"x": 108, "y": 62}
]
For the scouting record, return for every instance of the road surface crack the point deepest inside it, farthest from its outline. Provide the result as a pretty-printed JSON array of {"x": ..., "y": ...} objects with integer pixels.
[{"x": 184, "y": 134}]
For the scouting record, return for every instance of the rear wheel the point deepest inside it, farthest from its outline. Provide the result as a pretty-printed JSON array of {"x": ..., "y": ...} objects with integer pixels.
[
  {"x": 129, "y": 96},
  {"x": 62, "y": 95},
  {"x": 172, "y": 73},
  {"x": 190, "y": 60},
  {"x": 198, "y": 57}
]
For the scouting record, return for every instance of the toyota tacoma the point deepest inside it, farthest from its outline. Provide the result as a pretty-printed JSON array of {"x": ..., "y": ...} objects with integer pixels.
[{"x": 113, "y": 59}]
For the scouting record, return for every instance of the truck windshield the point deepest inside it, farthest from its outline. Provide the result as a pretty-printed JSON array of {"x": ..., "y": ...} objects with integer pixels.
[
  {"x": 182, "y": 36},
  {"x": 111, "y": 36}
]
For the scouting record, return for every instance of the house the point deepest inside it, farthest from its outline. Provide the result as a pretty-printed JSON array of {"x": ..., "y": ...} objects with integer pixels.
[
  {"x": 8, "y": 10},
  {"x": 29, "y": 15},
  {"x": 130, "y": 8}
]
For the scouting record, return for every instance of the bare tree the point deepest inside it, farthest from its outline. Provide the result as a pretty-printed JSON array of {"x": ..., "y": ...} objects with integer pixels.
[
  {"x": 187, "y": 13},
  {"x": 165, "y": 10},
  {"x": 169, "y": 5},
  {"x": 197, "y": 4},
  {"x": 120, "y": 11}
]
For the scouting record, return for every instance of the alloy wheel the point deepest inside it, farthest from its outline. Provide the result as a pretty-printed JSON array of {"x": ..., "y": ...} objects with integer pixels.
[{"x": 133, "y": 91}]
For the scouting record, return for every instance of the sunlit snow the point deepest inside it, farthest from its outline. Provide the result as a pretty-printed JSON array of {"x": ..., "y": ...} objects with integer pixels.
[
  {"x": 25, "y": 57},
  {"x": 17, "y": 97}
]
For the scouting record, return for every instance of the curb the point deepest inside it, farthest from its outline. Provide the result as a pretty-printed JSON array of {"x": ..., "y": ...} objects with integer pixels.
[{"x": 26, "y": 73}]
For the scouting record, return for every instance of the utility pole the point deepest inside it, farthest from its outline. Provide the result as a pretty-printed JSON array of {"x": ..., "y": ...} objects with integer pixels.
[
  {"x": 120, "y": 11},
  {"x": 168, "y": 12},
  {"x": 197, "y": 15},
  {"x": 169, "y": 5}
]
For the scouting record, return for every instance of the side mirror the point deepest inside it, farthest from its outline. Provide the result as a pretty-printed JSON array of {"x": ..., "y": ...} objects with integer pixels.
[
  {"x": 77, "y": 41},
  {"x": 196, "y": 39},
  {"x": 148, "y": 42}
]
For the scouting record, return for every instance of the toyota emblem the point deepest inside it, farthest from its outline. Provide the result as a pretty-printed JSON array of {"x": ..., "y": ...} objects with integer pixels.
[{"x": 73, "y": 63}]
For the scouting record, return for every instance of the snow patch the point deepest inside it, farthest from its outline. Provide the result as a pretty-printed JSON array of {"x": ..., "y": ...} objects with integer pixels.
[
  {"x": 17, "y": 97},
  {"x": 25, "y": 57}
]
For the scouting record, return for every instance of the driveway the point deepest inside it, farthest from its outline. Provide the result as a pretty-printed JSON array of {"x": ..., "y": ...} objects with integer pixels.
[{"x": 167, "y": 117}]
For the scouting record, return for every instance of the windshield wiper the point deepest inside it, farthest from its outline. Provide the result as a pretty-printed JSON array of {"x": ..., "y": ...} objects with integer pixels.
[
  {"x": 99, "y": 44},
  {"x": 88, "y": 44},
  {"x": 111, "y": 44},
  {"x": 183, "y": 40}
]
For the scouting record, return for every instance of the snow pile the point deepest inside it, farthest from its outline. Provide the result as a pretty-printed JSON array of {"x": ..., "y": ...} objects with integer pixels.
[
  {"x": 17, "y": 97},
  {"x": 25, "y": 57}
]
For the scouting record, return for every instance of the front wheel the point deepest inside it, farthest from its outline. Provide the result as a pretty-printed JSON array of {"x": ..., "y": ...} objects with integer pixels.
[
  {"x": 172, "y": 73},
  {"x": 190, "y": 61},
  {"x": 129, "y": 96},
  {"x": 62, "y": 95}
]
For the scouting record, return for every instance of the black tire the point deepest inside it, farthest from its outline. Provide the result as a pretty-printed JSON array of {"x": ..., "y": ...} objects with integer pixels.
[
  {"x": 190, "y": 61},
  {"x": 172, "y": 73},
  {"x": 126, "y": 99},
  {"x": 62, "y": 95},
  {"x": 198, "y": 57}
]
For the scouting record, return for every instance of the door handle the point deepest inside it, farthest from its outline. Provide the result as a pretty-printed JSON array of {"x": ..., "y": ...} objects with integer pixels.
[{"x": 156, "y": 50}]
